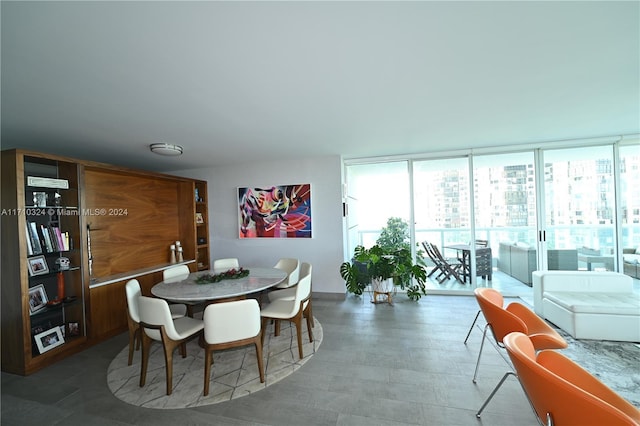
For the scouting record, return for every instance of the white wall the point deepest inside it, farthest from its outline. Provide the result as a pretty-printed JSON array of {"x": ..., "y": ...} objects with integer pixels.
[{"x": 324, "y": 251}]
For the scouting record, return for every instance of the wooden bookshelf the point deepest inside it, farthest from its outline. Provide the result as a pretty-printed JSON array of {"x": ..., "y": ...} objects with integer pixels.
[{"x": 120, "y": 224}]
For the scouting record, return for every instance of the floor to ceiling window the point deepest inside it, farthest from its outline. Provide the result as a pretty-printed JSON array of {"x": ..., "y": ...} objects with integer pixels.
[
  {"x": 579, "y": 208},
  {"x": 630, "y": 209},
  {"x": 505, "y": 205},
  {"x": 546, "y": 208},
  {"x": 375, "y": 193},
  {"x": 441, "y": 201}
]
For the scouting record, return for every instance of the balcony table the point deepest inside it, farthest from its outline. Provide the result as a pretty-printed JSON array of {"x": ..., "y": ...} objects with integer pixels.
[{"x": 464, "y": 255}]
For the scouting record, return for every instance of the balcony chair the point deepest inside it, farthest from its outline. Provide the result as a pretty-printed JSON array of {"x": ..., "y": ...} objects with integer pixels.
[
  {"x": 447, "y": 267},
  {"x": 563, "y": 393},
  {"x": 504, "y": 320},
  {"x": 290, "y": 310},
  {"x": 133, "y": 291},
  {"x": 292, "y": 268},
  {"x": 290, "y": 294},
  {"x": 156, "y": 324},
  {"x": 230, "y": 325},
  {"x": 223, "y": 265}
]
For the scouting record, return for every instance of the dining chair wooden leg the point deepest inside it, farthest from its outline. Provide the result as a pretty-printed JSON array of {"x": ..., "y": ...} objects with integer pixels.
[
  {"x": 146, "y": 345},
  {"x": 307, "y": 314},
  {"x": 297, "y": 320},
  {"x": 263, "y": 328},
  {"x": 309, "y": 326},
  {"x": 310, "y": 313},
  {"x": 207, "y": 369},
  {"x": 168, "y": 360},
  {"x": 134, "y": 340},
  {"x": 258, "y": 345}
]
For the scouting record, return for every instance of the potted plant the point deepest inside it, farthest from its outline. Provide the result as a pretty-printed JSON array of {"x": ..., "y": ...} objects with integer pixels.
[
  {"x": 389, "y": 258},
  {"x": 366, "y": 265},
  {"x": 376, "y": 265}
]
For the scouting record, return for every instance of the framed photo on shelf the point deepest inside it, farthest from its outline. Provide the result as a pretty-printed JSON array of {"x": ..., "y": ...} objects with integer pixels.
[
  {"x": 39, "y": 328},
  {"x": 49, "y": 339},
  {"x": 37, "y": 298},
  {"x": 199, "y": 218},
  {"x": 37, "y": 265},
  {"x": 73, "y": 328},
  {"x": 40, "y": 199}
]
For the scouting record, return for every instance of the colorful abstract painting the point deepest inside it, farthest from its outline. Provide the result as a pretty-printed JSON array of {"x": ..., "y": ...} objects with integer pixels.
[{"x": 275, "y": 211}]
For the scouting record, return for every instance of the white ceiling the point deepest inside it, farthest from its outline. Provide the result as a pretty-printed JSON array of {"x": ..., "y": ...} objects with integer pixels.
[{"x": 242, "y": 81}]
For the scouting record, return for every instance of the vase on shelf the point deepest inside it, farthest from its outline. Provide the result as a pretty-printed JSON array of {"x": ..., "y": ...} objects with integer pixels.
[{"x": 60, "y": 286}]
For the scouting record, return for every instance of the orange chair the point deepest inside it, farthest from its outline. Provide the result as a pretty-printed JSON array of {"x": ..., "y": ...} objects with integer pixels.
[
  {"x": 563, "y": 393},
  {"x": 514, "y": 317}
]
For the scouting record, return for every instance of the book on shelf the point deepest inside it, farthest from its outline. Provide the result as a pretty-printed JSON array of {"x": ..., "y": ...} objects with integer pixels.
[
  {"x": 35, "y": 238},
  {"x": 29, "y": 246},
  {"x": 59, "y": 239},
  {"x": 54, "y": 238},
  {"x": 47, "y": 239}
]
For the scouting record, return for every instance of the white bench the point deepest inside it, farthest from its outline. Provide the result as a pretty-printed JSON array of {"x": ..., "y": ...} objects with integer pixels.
[{"x": 589, "y": 305}]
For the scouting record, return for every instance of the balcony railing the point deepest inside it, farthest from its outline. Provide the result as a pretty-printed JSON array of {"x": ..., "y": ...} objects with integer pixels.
[{"x": 599, "y": 237}]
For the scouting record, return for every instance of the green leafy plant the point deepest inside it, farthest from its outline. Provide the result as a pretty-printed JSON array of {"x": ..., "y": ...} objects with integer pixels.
[
  {"x": 231, "y": 274},
  {"x": 390, "y": 257},
  {"x": 378, "y": 262},
  {"x": 395, "y": 235}
]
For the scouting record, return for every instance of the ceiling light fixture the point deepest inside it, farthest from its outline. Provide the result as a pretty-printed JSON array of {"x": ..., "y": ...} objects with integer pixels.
[{"x": 166, "y": 149}]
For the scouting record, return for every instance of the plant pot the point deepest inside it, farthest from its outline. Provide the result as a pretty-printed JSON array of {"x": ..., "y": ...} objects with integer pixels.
[{"x": 382, "y": 287}]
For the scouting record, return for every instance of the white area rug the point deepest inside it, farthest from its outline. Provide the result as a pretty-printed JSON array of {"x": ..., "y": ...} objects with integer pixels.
[
  {"x": 234, "y": 371},
  {"x": 617, "y": 364}
]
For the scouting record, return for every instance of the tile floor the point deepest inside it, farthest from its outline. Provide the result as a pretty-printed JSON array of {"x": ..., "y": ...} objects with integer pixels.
[{"x": 378, "y": 365}]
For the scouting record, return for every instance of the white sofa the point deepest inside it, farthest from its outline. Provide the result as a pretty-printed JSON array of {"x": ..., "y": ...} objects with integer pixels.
[{"x": 589, "y": 305}]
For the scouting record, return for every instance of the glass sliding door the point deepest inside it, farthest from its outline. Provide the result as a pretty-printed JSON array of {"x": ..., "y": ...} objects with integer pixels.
[
  {"x": 505, "y": 214},
  {"x": 542, "y": 209},
  {"x": 579, "y": 195},
  {"x": 375, "y": 193},
  {"x": 630, "y": 209},
  {"x": 442, "y": 212}
]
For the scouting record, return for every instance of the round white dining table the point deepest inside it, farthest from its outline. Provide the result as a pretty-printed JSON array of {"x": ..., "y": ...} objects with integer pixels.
[{"x": 185, "y": 288}]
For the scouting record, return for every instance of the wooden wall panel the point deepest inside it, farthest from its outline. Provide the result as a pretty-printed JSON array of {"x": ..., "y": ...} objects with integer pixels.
[
  {"x": 133, "y": 219},
  {"x": 108, "y": 306}
]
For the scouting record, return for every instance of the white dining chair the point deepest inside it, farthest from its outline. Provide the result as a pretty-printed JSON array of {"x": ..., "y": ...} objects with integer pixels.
[
  {"x": 290, "y": 293},
  {"x": 223, "y": 265},
  {"x": 292, "y": 268},
  {"x": 289, "y": 310},
  {"x": 178, "y": 273},
  {"x": 230, "y": 325},
  {"x": 133, "y": 291},
  {"x": 156, "y": 324}
]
